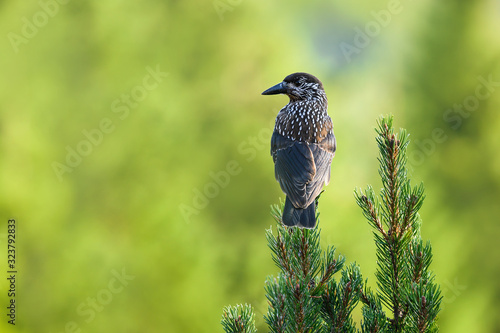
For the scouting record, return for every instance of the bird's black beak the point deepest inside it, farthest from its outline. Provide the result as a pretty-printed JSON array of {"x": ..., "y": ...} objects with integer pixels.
[{"x": 280, "y": 88}]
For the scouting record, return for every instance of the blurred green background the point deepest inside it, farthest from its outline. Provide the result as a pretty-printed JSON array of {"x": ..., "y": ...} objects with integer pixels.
[{"x": 135, "y": 150}]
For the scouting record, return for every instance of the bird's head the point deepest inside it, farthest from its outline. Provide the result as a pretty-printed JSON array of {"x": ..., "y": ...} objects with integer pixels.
[{"x": 298, "y": 86}]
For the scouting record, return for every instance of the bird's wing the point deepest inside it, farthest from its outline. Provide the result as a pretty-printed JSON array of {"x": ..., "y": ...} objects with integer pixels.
[
  {"x": 329, "y": 143},
  {"x": 294, "y": 168},
  {"x": 322, "y": 160}
]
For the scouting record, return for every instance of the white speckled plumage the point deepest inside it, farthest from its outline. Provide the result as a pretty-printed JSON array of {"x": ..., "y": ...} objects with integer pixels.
[{"x": 302, "y": 146}]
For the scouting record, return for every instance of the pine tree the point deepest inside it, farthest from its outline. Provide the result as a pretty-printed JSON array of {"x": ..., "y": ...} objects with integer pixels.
[{"x": 306, "y": 296}]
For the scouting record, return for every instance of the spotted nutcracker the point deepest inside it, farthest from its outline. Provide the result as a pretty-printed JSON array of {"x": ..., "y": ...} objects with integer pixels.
[{"x": 302, "y": 146}]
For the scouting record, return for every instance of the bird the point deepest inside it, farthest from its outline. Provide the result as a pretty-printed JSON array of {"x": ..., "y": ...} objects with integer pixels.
[{"x": 302, "y": 147}]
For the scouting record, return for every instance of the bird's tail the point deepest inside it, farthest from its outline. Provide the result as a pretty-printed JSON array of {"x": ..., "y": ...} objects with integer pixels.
[{"x": 297, "y": 217}]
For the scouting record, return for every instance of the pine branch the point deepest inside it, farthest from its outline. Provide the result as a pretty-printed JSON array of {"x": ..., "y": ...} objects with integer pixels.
[
  {"x": 374, "y": 319},
  {"x": 294, "y": 296},
  {"x": 329, "y": 267},
  {"x": 340, "y": 299},
  {"x": 306, "y": 297},
  {"x": 238, "y": 319},
  {"x": 424, "y": 296},
  {"x": 403, "y": 261}
]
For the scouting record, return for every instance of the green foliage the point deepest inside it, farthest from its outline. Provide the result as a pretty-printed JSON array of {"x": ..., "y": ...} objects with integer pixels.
[
  {"x": 374, "y": 318},
  {"x": 239, "y": 319},
  {"x": 406, "y": 286},
  {"x": 340, "y": 299},
  {"x": 305, "y": 296}
]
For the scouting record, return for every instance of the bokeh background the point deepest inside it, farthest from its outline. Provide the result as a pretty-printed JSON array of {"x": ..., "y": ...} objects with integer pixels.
[{"x": 135, "y": 150}]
